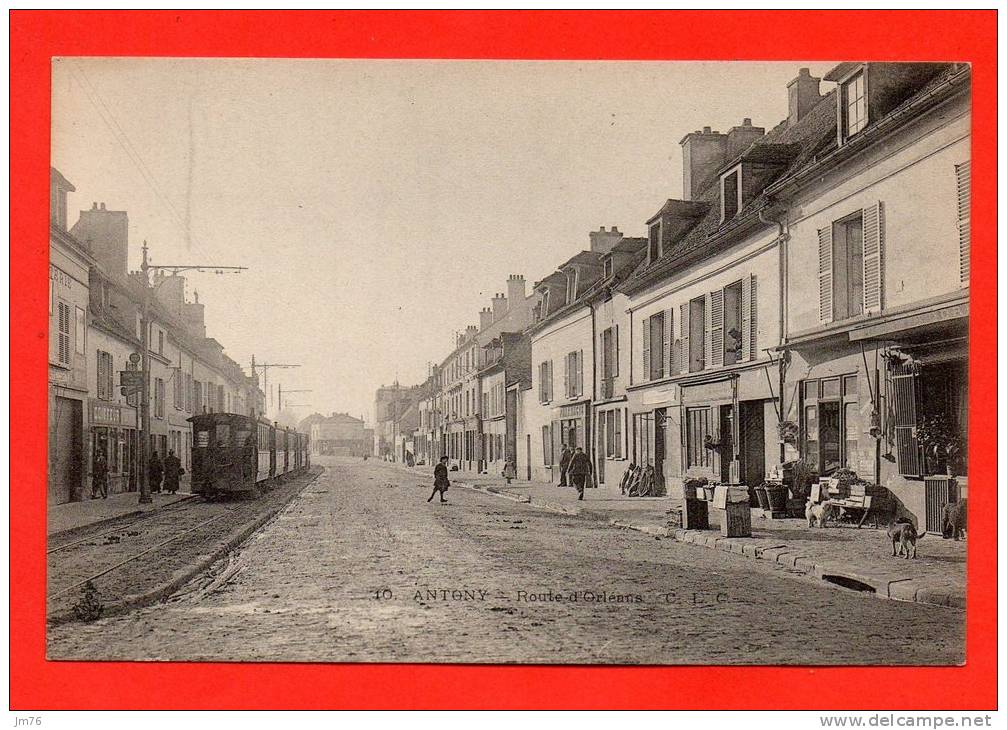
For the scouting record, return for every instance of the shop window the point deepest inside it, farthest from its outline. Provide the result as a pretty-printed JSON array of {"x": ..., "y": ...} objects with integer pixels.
[
  {"x": 697, "y": 428},
  {"x": 831, "y": 423}
]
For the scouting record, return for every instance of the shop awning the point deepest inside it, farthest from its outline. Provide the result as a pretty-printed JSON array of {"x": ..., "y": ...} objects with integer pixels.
[{"x": 947, "y": 321}]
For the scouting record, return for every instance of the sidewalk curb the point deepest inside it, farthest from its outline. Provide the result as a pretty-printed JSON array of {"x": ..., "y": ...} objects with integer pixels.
[
  {"x": 183, "y": 575},
  {"x": 886, "y": 584}
]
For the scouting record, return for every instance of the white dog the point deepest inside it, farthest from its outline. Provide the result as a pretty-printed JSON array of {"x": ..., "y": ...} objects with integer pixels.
[{"x": 819, "y": 513}]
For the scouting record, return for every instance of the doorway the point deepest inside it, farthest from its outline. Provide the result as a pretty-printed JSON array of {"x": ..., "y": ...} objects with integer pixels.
[
  {"x": 726, "y": 448},
  {"x": 752, "y": 445}
]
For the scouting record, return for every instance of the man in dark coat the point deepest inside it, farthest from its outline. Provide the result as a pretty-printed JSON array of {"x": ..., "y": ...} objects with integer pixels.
[
  {"x": 564, "y": 464},
  {"x": 580, "y": 469},
  {"x": 154, "y": 472},
  {"x": 99, "y": 477},
  {"x": 441, "y": 482},
  {"x": 172, "y": 471}
]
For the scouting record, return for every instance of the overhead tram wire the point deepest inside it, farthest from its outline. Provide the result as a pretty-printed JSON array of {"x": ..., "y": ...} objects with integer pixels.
[{"x": 129, "y": 148}]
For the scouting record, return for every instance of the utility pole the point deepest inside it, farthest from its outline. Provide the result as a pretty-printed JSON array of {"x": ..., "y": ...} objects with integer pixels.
[
  {"x": 265, "y": 372},
  {"x": 279, "y": 400},
  {"x": 145, "y": 435}
]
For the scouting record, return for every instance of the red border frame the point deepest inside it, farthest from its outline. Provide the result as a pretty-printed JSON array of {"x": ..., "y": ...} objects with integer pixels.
[{"x": 36, "y": 36}]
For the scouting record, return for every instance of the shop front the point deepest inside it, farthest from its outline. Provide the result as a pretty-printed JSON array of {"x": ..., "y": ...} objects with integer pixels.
[
  {"x": 113, "y": 432},
  {"x": 728, "y": 427},
  {"x": 571, "y": 426}
]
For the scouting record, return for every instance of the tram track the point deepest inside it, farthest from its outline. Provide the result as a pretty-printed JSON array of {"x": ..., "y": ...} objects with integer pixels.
[{"x": 141, "y": 561}]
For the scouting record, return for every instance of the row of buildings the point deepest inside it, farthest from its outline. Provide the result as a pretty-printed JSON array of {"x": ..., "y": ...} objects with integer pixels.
[
  {"x": 95, "y": 306},
  {"x": 807, "y": 297},
  {"x": 338, "y": 434}
]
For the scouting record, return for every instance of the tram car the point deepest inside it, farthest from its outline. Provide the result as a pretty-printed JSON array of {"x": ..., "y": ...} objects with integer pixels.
[{"x": 237, "y": 454}]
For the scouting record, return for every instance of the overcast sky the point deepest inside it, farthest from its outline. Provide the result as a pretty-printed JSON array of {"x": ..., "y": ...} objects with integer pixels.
[{"x": 379, "y": 205}]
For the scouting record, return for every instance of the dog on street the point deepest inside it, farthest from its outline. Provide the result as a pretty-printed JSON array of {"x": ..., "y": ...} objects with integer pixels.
[{"x": 903, "y": 534}]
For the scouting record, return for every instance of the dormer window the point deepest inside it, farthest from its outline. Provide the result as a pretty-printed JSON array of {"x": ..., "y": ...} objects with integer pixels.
[
  {"x": 571, "y": 286},
  {"x": 655, "y": 247},
  {"x": 730, "y": 194},
  {"x": 545, "y": 303},
  {"x": 853, "y": 104},
  {"x": 609, "y": 267}
]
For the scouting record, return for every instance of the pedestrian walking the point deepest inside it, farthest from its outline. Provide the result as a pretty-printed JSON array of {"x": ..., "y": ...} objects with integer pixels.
[
  {"x": 580, "y": 469},
  {"x": 172, "y": 471},
  {"x": 441, "y": 482},
  {"x": 509, "y": 472},
  {"x": 155, "y": 471},
  {"x": 564, "y": 464},
  {"x": 99, "y": 476}
]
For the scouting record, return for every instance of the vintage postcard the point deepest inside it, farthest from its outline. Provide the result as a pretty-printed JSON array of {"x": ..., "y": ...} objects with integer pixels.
[
  {"x": 503, "y": 360},
  {"x": 508, "y": 362}
]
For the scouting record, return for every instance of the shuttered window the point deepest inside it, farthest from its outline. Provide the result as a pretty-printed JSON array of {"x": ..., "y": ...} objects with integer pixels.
[
  {"x": 964, "y": 181},
  {"x": 825, "y": 274},
  {"x": 63, "y": 333},
  {"x": 104, "y": 375},
  {"x": 873, "y": 226},
  {"x": 716, "y": 318},
  {"x": 694, "y": 334},
  {"x": 176, "y": 389},
  {"x": 903, "y": 412},
  {"x": 657, "y": 346}
]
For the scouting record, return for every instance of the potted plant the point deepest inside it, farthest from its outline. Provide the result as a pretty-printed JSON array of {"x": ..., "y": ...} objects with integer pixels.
[
  {"x": 693, "y": 487},
  {"x": 788, "y": 431},
  {"x": 939, "y": 441}
]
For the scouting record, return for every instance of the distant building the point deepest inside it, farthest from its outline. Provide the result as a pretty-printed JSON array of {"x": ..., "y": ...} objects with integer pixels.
[{"x": 337, "y": 435}]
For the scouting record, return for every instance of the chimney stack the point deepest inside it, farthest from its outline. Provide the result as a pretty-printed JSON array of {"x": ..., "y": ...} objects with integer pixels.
[
  {"x": 499, "y": 306},
  {"x": 485, "y": 318},
  {"x": 106, "y": 233},
  {"x": 603, "y": 241},
  {"x": 702, "y": 155},
  {"x": 516, "y": 292},
  {"x": 470, "y": 332},
  {"x": 740, "y": 138},
  {"x": 803, "y": 93}
]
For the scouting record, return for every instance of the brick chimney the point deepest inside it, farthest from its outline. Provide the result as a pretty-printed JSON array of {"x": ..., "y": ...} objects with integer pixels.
[
  {"x": 470, "y": 331},
  {"x": 170, "y": 292},
  {"x": 603, "y": 241},
  {"x": 193, "y": 313},
  {"x": 499, "y": 306},
  {"x": 803, "y": 93},
  {"x": 516, "y": 289},
  {"x": 740, "y": 138},
  {"x": 106, "y": 233},
  {"x": 485, "y": 318},
  {"x": 703, "y": 152}
]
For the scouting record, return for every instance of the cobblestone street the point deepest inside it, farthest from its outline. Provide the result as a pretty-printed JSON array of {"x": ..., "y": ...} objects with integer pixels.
[{"x": 360, "y": 568}]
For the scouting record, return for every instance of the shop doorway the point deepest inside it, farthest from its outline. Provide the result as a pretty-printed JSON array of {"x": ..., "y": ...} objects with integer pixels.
[
  {"x": 725, "y": 451},
  {"x": 66, "y": 460},
  {"x": 752, "y": 447},
  {"x": 660, "y": 418}
]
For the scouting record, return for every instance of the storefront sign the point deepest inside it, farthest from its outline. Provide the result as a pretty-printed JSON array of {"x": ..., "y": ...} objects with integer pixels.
[
  {"x": 668, "y": 394},
  {"x": 112, "y": 414},
  {"x": 578, "y": 410}
]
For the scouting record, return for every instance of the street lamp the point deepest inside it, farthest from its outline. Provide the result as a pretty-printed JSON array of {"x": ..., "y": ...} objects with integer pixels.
[{"x": 145, "y": 268}]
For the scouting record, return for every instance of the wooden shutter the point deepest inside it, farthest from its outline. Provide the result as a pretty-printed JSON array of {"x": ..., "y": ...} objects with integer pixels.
[
  {"x": 903, "y": 411},
  {"x": 874, "y": 257},
  {"x": 683, "y": 327},
  {"x": 668, "y": 331},
  {"x": 603, "y": 339},
  {"x": 64, "y": 334},
  {"x": 825, "y": 274},
  {"x": 614, "y": 344},
  {"x": 963, "y": 175},
  {"x": 550, "y": 381},
  {"x": 716, "y": 328},
  {"x": 100, "y": 374},
  {"x": 708, "y": 330},
  {"x": 747, "y": 323},
  {"x": 580, "y": 372},
  {"x": 646, "y": 349},
  {"x": 617, "y": 423}
]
